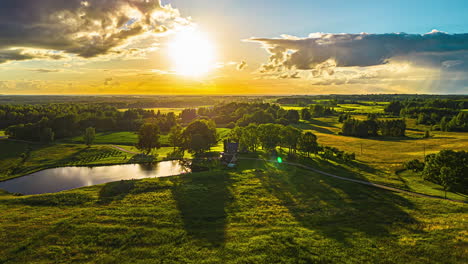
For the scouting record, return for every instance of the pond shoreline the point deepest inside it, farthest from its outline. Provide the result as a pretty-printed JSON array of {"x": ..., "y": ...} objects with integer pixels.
[
  {"x": 52, "y": 180},
  {"x": 85, "y": 165}
]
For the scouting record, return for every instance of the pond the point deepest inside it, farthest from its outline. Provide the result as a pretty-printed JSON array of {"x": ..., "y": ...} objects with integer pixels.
[{"x": 66, "y": 178}]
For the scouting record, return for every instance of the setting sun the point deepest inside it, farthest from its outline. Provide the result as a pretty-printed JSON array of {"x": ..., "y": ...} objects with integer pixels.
[{"x": 192, "y": 53}]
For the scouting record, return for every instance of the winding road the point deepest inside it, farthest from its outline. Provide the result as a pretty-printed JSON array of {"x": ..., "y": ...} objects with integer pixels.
[{"x": 360, "y": 181}]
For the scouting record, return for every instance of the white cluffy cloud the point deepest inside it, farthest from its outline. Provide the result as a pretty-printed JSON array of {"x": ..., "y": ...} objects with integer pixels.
[{"x": 322, "y": 53}]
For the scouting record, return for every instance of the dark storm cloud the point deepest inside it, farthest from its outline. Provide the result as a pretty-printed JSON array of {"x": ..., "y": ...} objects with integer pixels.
[
  {"x": 322, "y": 52},
  {"x": 86, "y": 28},
  {"x": 27, "y": 54}
]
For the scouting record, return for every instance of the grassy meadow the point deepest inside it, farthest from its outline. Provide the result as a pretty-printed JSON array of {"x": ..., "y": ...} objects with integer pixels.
[
  {"x": 386, "y": 155},
  {"x": 129, "y": 138},
  {"x": 258, "y": 213},
  {"x": 366, "y": 107}
]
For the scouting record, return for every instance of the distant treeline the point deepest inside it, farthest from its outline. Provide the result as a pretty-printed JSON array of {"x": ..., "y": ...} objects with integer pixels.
[
  {"x": 372, "y": 127},
  {"x": 243, "y": 114},
  {"x": 36, "y": 122},
  {"x": 359, "y": 98},
  {"x": 446, "y": 115},
  {"x": 128, "y": 101}
]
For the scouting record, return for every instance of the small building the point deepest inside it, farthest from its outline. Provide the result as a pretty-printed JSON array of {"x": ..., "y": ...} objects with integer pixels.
[
  {"x": 231, "y": 147},
  {"x": 228, "y": 157}
]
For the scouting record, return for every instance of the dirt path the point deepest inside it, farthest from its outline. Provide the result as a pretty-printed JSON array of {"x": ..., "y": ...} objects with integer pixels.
[
  {"x": 124, "y": 150},
  {"x": 360, "y": 181}
]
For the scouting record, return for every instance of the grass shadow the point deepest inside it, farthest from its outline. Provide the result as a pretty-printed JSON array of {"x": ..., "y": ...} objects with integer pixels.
[
  {"x": 115, "y": 191},
  {"x": 201, "y": 201},
  {"x": 310, "y": 126},
  {"x": 321, "y": 123},
  {"x": 335, "y": 208},
  {"x": 176, "y": 154}
]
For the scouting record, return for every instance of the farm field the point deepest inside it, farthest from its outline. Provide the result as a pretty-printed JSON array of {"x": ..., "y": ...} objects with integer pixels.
[
  {"x": 384, "y": 157},
  {"x": 117, "y": 138},
  {"x": 231, "y": 216},
  {"x": 369, "y": 107},
  {"x": 129, "y": 138}
]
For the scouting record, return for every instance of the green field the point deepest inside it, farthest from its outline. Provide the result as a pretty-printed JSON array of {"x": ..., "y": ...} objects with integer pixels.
[
  {"x": 117, "y": 138},
  {"x": 359, "y": 108},
  {"x": 129, "y": 138},
  {"x": 385, "y": 156},
  {"x": 377, "y": 108},
  {"x": 257, "y": 214}
]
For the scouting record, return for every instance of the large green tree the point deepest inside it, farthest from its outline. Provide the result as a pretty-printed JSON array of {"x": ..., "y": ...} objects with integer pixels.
[
  {"x": 249, "y": 137},
  {"x": 89, "y": 136},
  {"x": 290, "y": 137},
  {"x": 305, "y": 114},
  {"x": 448, "y": 168},
  {"x": 199, "y": 136},
  {"x": 269, "y": 135},
  {"x": 148, "y": 137},
  {"x": 47, "y": 135},
  {"x": 308, "y": 143},
  {"x": 175, "y": 136}
]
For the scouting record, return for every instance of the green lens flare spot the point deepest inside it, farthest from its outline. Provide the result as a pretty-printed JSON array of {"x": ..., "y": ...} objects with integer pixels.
[{"x": 279, "y": 159}]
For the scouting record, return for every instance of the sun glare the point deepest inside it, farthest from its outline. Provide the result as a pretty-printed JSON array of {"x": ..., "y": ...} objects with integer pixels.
[{"x": 192, "y": 53}]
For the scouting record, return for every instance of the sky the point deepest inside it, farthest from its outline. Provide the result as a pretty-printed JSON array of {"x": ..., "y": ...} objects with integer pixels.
[{"x": 233, "y": 47}]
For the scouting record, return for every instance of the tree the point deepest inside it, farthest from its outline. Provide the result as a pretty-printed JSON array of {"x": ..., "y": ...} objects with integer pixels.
[
  {"x": 47, "y": 135},
  {"x": 188, "y": 115},
  {"x": 290, "y": 137},
  {"x": 414, "y": 165},
  {"x": 448, "y": 168},
  {"x": 258, "y": 117},
  {"x": 394, "y": 108},
  {"x": 427, "y": 134},
  {"x": 175, "y": 136},
  {"x": 148, "y": 137},
  {"x": 305, "y": 114},
  {"x": 249, "y": 137},
  {"x": 269, "y": 135},
  {"x": 448, "y": 179},
  {"x": 308, "y": 143},
  {"x": 292, "y": 116},
  {"x": 199, "y": 136},
  {"x": 89, "y": 136}
]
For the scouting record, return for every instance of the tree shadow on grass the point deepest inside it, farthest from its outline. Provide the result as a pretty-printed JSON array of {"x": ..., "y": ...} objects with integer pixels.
[
  {"x": 176, "y": 154},
  {"x": 337, "y": 209},
  {"x": 310, "y": 126},
  {"x": 201, "y": 201},
  {"x": 321, "y": 123},
  {"x": 115, "y": 191}
]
